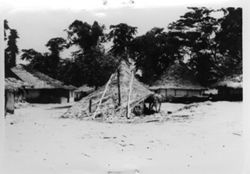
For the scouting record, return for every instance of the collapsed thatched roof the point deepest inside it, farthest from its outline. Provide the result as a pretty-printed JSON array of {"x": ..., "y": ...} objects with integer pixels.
[
  {"x": 85, "y": 88},
  {"x": 233, "y": 81},
  {"x": 109, "y": 106},
  {"x": 37, "y": 79},
  {"x": 177, "y": 76}
]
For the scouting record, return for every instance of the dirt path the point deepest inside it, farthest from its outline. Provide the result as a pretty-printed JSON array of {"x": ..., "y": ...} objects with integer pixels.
[{"x": 206, "y": 138}]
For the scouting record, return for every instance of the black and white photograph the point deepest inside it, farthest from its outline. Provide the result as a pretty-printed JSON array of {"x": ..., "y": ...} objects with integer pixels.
[{"x": 123, "y": 87}]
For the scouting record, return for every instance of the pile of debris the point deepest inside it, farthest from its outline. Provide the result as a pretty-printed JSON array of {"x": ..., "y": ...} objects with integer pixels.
[{"x": 121, "y": 98}]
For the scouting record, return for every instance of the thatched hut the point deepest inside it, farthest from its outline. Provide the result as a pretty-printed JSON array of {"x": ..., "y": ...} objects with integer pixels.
[
  {"x": 44, "y": 88},
  {"x": 121, "y": 97},
  {"x": 230, "y": 88},
  {"x": 14, "y": 90},
  {"x": 14, "y": 93},
  {"x": 83, "y": 91},
  {"x": 178, "y": 83}
]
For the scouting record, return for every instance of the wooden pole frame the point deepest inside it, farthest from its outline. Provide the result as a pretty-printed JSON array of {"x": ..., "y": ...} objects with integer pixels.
[
  {"x": 129, "y": 94},
  {"x": 118, "y": 86},
  {"x": 103, "y": 94},
  {"x": 90, "y": 105}
]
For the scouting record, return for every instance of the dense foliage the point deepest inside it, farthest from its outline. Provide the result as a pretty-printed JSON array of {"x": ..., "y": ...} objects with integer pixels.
[
  {"x": 210, "y": 44},
  {"x": 11, "y": 50},
  {"x": 206, "y": 41},
  {"x": 153, "y": 52},
  {"x": 229, "y": 40},
  {"x": 122, "y": 36}
]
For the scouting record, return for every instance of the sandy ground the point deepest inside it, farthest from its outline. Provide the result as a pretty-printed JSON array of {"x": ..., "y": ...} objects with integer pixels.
[{"x": 206, "y": 138}]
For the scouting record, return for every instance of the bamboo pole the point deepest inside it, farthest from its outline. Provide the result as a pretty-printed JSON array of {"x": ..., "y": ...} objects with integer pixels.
[
  {"x": 103, "y": 94},
  {"x": 129, "y": 94}
]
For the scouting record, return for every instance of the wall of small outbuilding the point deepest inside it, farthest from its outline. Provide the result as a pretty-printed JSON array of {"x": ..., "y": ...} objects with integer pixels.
[
  {"x": 230, "y": 94},
  {"x": 9, "y": 101},
  {"x": 12, "y": 97},
  {"x": 49, "y": 95},
  {"x": 171, "y": 93}
]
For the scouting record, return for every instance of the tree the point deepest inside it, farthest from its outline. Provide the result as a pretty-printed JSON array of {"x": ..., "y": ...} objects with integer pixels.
[
  {"x": 47, "y": 63},
  {"x": 92, "y": 65},
  {"x": 122, "y": 36},
  {"x": 29, "y": 54},
  {"x": 70, "y": 72},
  {"x": 94, "y": 68},
  {"x": 153, "y": 52},
  {"x": 99, "y": 67},
  {"x": 37, "y": 60},
  {"x": 6, "y": 27},
  {"x": 88, "y": 65},
  {"x": 11, "y": 50},
  {"x": 84, "y": 35},
  {"x": 214, "y": 45},
  {"x": 229, "y": 39},
  {"x": 196, "y": 30},
  {"x": 56, "y": 45}
]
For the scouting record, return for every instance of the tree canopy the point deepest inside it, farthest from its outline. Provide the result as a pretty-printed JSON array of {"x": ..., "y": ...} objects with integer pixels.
[
  {"x": 196, "y": 30},
  {"x": 210, "y": 45},
  {"x": 229, "y": 40},
  {"x": 153, "y": 52},
  {"x": 11, "y": 50},
  {"x": 122, "y": 35},
  {"x": 85, "y": 35}
]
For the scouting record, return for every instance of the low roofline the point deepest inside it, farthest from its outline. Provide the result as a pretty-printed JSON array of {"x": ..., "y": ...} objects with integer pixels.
[
  {"x": 229, "y": 82},
  {"x": 186, "y": 88},
  {"x": 45, "y": 81},
  {"x": 14, "y": 84},
  {"x": 234, "y": 85},
  {"x": 67, "y": 88}
]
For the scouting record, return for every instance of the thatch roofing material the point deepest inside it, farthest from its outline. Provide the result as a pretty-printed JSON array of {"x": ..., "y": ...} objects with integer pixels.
[
  {"x": 109, "y": 107},
  {"x": 177, "y": 76},
  {"x": 85, "y": 88},
  {"x": 14, "y": 84},
  {"x": 234, "y": 81},
  {"x": 38, "y": 79}
]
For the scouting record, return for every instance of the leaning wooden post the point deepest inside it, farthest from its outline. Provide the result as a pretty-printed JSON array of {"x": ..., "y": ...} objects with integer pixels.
[
  {"x": 103, "y": 94},
  {"x": 129, "y": 94},
  {"x": 118, "y": 86},
  {"x": 90, "y": 105}
]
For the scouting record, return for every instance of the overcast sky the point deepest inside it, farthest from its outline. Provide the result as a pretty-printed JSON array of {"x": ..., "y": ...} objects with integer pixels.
[
  {"x": 35, "y": 28},
  {"x": 38, "y": 22}
]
